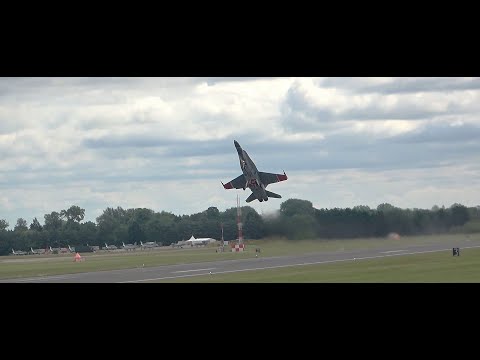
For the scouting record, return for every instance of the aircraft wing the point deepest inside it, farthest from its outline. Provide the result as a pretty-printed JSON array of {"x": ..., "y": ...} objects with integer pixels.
[
  {"x": 237, "y": 183},
  {"x": 268, "y": 178}
]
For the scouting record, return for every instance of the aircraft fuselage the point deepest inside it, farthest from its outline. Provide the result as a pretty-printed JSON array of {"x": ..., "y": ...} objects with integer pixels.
[{"x": 251, "y": 174}]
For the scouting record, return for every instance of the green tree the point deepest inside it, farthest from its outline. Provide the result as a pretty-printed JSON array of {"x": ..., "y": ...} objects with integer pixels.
[
  {"x": 35, "y": 225},
  {"x": 118, "y": 215},
  {"x": 474, "y": 212},
  {"x": 273, "y": 224},
  {"x": 21, "y": 239},
  {"x": 184, "y": 227},
  {"x": 300, "y": 227},
  {"x": 362, "y": 208},
  {"x": 74, "y": 213},
  {"x": 212, "y": 213},
  {"x": 21, "y": 225},
  {"x": 386, "y": 207},
  {"x": 3, "y": 224},
  {"x": 87, "y": 234},
  {"x": 120, "y": 234},
  {"x": 254, "y": 226},
  {"x": 52, "y": 221},
  {"x": 135, "y": 233},
  {"x": 167, "y": 228},
  {"x": 420, "y": 221},
  {"x": 6, "y": 242},
  {"x": 142, "y": 215},
  {"x": 459, "y": 214},
  {"x": 292, "y": 207},
  {"x": 112, "y": 226},
  {"x": 69, "y": 235}
]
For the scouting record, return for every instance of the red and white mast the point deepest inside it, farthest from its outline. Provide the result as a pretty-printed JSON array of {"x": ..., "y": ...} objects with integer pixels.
[{"x": 239, "y": 222}]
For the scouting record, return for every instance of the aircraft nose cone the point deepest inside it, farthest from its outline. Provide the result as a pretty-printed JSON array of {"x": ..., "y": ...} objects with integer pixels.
[{"x": 239, "y": 148}]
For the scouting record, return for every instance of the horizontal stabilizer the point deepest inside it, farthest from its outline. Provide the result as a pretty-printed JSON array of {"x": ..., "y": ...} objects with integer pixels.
[
  {"x": 272, "y": 195},
  {"x": 251, "y": 197}
]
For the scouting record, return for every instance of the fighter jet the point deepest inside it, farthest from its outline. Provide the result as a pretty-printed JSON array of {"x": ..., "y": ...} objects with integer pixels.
[
  {"x": 37, "y": 251},
  {"x": 255, "y": 180},
  {"x": 148, "y": 244},
  {"x": 110, "y": 247},
  {"x": 19, "y": 252},
  {"x": 129, "y": 246}
]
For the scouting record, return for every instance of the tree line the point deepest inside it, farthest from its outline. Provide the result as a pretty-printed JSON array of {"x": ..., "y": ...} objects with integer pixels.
[{"x": 296, "y": 219}]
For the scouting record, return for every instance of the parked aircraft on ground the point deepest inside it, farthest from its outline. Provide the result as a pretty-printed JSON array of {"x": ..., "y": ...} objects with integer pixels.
[
  {"x": 129, "y": 246},
  {"x": 19, "y": 252},
  {"x": 149, "y": 244},
  {"x": 110, "y": 247}
]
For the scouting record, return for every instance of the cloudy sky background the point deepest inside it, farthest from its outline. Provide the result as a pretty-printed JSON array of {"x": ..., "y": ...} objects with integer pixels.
[{"x": 166, "y": 143}]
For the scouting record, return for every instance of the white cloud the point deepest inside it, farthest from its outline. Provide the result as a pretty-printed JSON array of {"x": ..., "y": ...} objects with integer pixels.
[{"x": 166, "y": 143}]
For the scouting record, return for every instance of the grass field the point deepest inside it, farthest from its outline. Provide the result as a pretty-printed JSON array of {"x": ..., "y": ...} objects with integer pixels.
[
  {"x": 28, "y": 266},
  {"x": 425, "y": 268},
  {"x": 39, "y": 265},
  {"x": 287, "y": 247}
]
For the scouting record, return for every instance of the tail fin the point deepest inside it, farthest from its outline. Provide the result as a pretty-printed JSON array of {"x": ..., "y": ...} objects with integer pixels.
[
  {"x": 272, "y": 195},
  {"x": 251, "y": 198}
]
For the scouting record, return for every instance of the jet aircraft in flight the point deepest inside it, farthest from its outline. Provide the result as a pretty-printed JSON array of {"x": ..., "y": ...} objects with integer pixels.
[{"x": 255, "y": 180}]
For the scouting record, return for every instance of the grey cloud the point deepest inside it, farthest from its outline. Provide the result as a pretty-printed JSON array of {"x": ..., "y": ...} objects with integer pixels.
[
  {"x": 394, "y": 152},
  {"x": 137, "y": 141},
  {"x": 35, "y": 84},
  {"x": 347, "y": 150},
  {"x": 441, "y": 133},
  {"x": 255, "y": 146},
  {"x": 152, "y": 135},
  {"x": 161, "y": 157},
  {"x": 334, "y": 152},
  {"x": 89, "y": 83},
  {"x": 351, "y": 150},
  {"x": 424, "y": 85},
  {"x": 373, "y": 112},
  {"x": 172, "y": 147},
  {"x": 8, "y": 126},
  {"x": 107, "y": 176},
  {"x": 403, "y": 85},
  {"x": 215, "y": 80},
  {"x": 298, "y": 114}
]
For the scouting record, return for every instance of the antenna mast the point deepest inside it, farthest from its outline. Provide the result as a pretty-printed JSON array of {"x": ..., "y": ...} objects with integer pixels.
[{"x": 239, "y": 222}]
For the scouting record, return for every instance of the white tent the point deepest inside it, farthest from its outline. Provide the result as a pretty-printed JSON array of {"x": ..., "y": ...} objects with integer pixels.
[{"x": 194, "y": 241}]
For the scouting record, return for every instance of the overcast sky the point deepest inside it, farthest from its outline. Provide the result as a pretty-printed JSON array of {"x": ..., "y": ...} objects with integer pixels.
[{"x": 167, "y": 143}]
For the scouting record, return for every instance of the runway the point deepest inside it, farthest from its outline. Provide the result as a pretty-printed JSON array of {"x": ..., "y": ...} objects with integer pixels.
[{"x": 151, "y": 274}]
